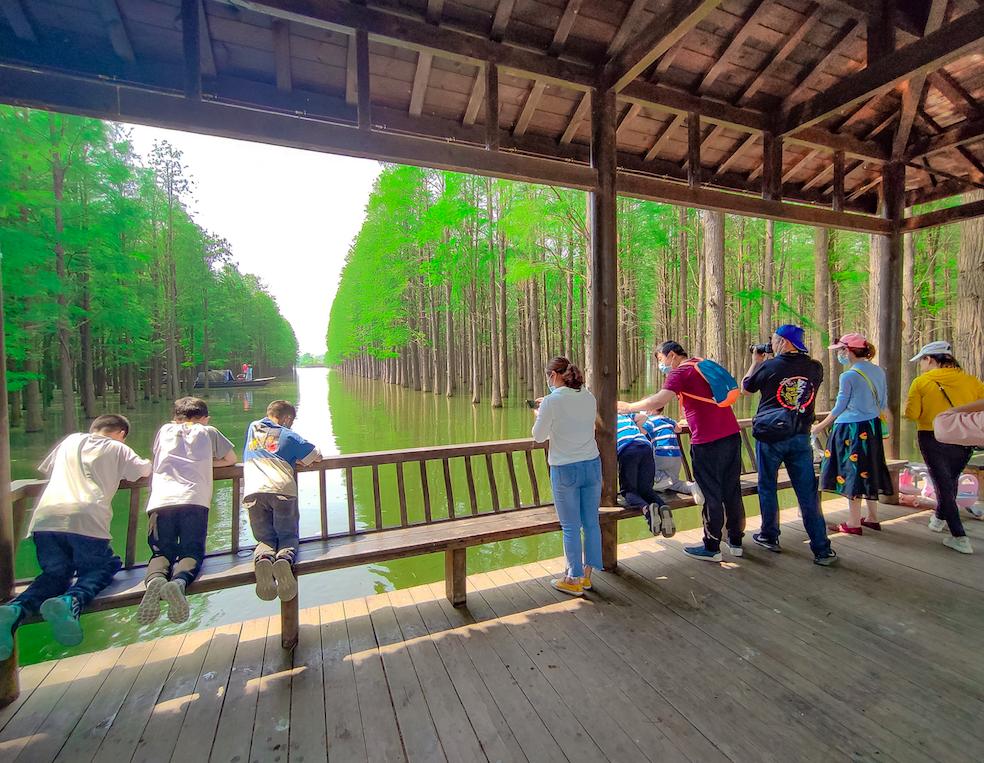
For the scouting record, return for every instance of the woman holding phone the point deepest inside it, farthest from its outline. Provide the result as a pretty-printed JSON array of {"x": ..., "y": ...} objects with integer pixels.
[{"x": 566, "y": 417}]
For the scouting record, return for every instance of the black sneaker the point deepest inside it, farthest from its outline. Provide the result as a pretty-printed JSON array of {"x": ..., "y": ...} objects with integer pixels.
[
  {"x": 771, "y": 545},
  {"x": 826, "y": 560}
]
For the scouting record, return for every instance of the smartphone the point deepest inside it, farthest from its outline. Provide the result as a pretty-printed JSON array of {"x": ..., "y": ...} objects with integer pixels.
[{"x": 532, "y": 404}]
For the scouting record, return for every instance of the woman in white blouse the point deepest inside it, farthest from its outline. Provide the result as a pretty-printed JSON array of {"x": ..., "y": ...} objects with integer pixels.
[{"x": 566, "y": 417}]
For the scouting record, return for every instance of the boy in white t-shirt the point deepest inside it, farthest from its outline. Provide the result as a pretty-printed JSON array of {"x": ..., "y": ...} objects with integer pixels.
[
  {"x": 185, "y": 450},
  {"x": 71, "y": 529}
]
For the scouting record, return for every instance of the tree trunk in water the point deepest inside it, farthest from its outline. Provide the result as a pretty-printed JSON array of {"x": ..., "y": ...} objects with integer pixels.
[
  {"x": 449, "y": 348},
  {"x": 69, "y": 420},
  {"x": 713, "y": 223},
  {"x": 503, "y": 359},
  {"x": 877, "y": 248},
  {"x": 495, "y": 352},
  {"x": 536, "y": 356},
  {"x": 624, "y": 350},
  {"x": 684, "y": 254},
  {"x": 476, "y": 384},
  {"x": 909, "y": 341},
  {"x": 85, "y": 341},
  {"x": 768, "y": 284},
  {"x": 821, "y": 290},
  {"x": 34, "y": 418},
  {"x": 970, "y": 293}
]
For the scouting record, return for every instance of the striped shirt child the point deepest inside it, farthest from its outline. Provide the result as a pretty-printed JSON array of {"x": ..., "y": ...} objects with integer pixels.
[
  {"x": 626, "y": 432},
  {"x": 662, "y": 434}
]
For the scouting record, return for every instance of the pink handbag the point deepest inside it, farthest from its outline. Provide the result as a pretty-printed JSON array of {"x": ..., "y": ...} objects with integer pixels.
[{"x": 960, "y": 428}]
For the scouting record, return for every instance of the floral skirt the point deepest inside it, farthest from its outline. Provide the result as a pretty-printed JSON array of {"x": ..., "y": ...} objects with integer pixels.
[{"x": 854, "y": 461}]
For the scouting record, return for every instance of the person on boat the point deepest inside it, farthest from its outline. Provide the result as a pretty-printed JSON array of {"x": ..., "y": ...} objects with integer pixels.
[
  {"x": 245, "y": 371},
  {"x": 715, "y": 447},
  {"x": 853, "y": 462},
  {"x": 566, "y": 417},
  {"x": 942, "y": 385},
  {"x": 185, "y": 451},
  {"x": 71, "y": 529},
  {"x": 270, "y": 455}
]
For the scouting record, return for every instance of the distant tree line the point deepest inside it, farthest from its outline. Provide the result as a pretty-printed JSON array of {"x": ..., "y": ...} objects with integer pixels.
[{"x": 111, "y": 288}]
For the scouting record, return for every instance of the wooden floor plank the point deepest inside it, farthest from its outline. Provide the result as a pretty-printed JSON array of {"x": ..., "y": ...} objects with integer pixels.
[
  {"x": 19, "y": 730},
  {"x": 493, "y": 731},
  {"x": 420, "y": 738},
  {"x": 202, "y": 716},
  {"x": 30, "y": 677},
  {"x": 307, "y": 692},
  {"x": 92, "y": 727},
  {"x": 124, "y": 734},
  {"x": 458, "y": 738},
  {"x": 271, "y": 727},
  {"x": 383, "y": 742},
  {"x": 234, "y": 734},
  {"x": 346, "y": 739}
]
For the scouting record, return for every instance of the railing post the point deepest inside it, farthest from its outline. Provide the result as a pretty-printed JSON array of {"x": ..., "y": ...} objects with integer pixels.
[
  {"x": 289, "y": 622},
  {"x": 9, "y": 683},
  {"x": 455, "y": 573}
]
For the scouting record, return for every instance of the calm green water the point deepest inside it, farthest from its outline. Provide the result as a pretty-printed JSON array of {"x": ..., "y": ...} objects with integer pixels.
[{"x": 342, "y": 414}]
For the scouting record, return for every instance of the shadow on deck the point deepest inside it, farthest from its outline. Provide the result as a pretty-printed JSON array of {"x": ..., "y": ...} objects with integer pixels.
[{"x": 767, "y": 657}]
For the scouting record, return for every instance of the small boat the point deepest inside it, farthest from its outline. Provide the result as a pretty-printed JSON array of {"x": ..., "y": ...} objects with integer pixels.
[{"x": 226, "y": 380}]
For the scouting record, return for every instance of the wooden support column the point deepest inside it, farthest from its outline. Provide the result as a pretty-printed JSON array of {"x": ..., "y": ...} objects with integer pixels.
[
  {"x": 771, "y": 167},
  {"x": 838, "y": 202},
  {"x": 455, "y": 573},
  {"x": 889, "y": 282},
  {"x": 491, "y": 106},
  {"x": 362, "y": 78},
  {"x": 9, "y": 684},
  {"x": 602, "y": 293},
  {"x": 192, "y": 46},
  {"x": 693, "y": 149}
]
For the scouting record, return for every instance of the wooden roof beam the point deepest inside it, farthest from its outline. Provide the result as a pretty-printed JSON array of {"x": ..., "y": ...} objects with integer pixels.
[
  {"x": 191, "y": 42},
  {"x": 626, "y": 119},
  {"x": 351, "y": 75},
  {"x": 742, "y": 149},
  {"x": 960, "y": 134},
  {"x": 529, "y": 107},
  {"x": 631, "y": 22},
  {"x": 501, "y": 19},
  {"x": 577, "y": 118},
  {"x": 776, "y": 61},
  {"x": 654, "y": 41},
  {"x": 962, "y": 212},
  {"x": 977, "y": 167},
  {"x": 872, "y": 10},
  {"x": 564, "y": 27},
  {"x": 18, "y": 20},
  {"x": 435, "y": 9},
  {"x": 921, "y": 57},
  {"x": 281, "y": 55},
  {"x": 109, "y": 12},
  {"x": 759, "y": 10},
  {"x": 961, "y": 100},
  {"x": 420, "y": 77},
  {"x": 844, "y": 39},
  {"x": 673, "y": 124},
  {"x": 208, "y": 53}
]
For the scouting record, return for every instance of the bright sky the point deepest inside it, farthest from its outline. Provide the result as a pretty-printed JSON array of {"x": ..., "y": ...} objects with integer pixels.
[{"x": 290, "y": 215}]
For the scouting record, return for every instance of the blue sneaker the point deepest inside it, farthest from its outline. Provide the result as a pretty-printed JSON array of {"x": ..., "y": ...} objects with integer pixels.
[
  {"x": 10, "y": 617},
  {"x": 62, "y": 612},
  {"x": 701, "y": 552}
]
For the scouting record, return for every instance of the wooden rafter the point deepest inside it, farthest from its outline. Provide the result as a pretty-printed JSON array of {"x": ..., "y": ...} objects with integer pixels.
[
  {"x": 492, "y": 107},
  {"x": 931, "y": 52},
  {"x": 960, "y": 134},
  {"x": 843, "y": 40},
  {"x": 529, "y": 107},
  {"x": 872, "y": 10},
  {"x": 837, "y": 189},
  {"x": 363, "y": 95},
  {"x": 191, "y": 45},
  {"x": 208, "y": 54},
  {"x": 564, "y": 26},
  {"x": 501, "y": 19},
  {"x": 977, "y": 167},
  {"x": 796, "y": 166},
  {"x": 745, "y": 30},
  {"x": 879, "y": 128},
  {"x": 626, "y": 119},
  {"x": 351, "y": 76},
  {"x": 967, "y": 211},
  {"x": 577, "y": 118},
  {"x": 654, "y": 41},
  {"x": 862, "y": 189},
  {"x": 435, "y": 9},
  {"x": 281, "y": 55},
  {"x": 18, "y": 20},
  {"x": 739, "y": 152},
  {"x": 420, "y": 77},
  {"x": 664, "y": 135},
  {"x": 693, "y": 150},
  {"x": 109, "y": 12},
  {"x": 780, "y": 56},
  {"x": 960, "y": 99},
  {"x": 631, "y": 22}
]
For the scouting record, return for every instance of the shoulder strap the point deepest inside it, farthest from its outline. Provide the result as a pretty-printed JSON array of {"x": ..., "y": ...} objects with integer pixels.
[
  {"x": 871, "y": 385},
  {"x": 948, "y": 400}
]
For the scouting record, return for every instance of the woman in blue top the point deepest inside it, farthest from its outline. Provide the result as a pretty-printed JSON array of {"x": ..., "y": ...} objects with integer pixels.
[{"x": 854, "y": 460}]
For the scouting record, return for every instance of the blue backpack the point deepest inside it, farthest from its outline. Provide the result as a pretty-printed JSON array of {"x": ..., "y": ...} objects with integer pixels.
[{"x": 724, "y": 388}]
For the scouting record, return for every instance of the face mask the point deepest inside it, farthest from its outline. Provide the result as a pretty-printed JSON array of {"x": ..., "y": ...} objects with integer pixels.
[
  {"x": 665, "y": 368},
  {"x": 844, "y": 360},
  {"x": 551, "y": 387}
]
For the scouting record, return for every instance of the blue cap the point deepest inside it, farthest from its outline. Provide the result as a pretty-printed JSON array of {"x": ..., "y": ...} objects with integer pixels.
[{"x": 793, "y": 334}]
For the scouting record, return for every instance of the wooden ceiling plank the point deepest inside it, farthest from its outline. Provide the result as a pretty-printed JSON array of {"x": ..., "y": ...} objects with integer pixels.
[
  {"x": 864, "y": 188},
  {"x": 501, "y": 19},
  {"x": 661, "y": 139},
  {"x": 529, "y": 108},
  {"x": 109, "y": 12},
  {"x": 580, "y": 112},
  {"x": 933, "y": 51},
  {"x": 630, "y": 114},
  {"x": 758, "y": 10},
  {"x": 281, "y": 54},
  {"x": 18, "y": 20},
  {"x": 630, "y": 23},
  {"x": 564, "y": 27},
  {"x": 796, "y": 166},
  {"x": 843, "y": 40},
  {"x": 476, "y": 98},
  {"x": 420, "y": 77},
  {"x": 879, "y": 128},
  {"x": 959, "y": 98},
  {"x": 654, "y": 41},
  {"x": 776, "y": 60},
  {"x": 742, "y": 149}
]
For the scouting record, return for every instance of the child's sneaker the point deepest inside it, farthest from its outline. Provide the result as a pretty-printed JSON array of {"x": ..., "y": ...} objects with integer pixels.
[
  {"x": 150, "y": 606},
  {"x": 266, "y": 586},
  {"x": 667, "y": 525},
  {"x": 62, "y": 613},
  {"x": 571, "y": 586},
  {"x": 10, "y": 617},
  {"x": 173, "y": 592},
  {"x": 651, "y": 513},
  {"x": 286, "y": 582},
  {"x": 663, "y": 484}
]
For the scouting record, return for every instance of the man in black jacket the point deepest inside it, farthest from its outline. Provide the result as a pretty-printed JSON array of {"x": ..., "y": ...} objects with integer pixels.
[{"x": 788, "y": 383}]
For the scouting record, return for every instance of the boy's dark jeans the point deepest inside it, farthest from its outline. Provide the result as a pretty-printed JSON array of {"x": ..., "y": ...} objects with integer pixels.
[
  {"x": 717, "y": 471},
  {"x": 176, "y": 535},
  {"x": 945, "y": 462},
  {"x": 63, "y": 556},
  {"x": 797, "y": 454},
  {"x": 636, "y": 474},
  {"x": 275, "y": 522}
]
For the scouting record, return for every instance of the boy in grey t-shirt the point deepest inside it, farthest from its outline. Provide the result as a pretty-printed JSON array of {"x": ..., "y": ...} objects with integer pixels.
[{"x": 185, "y": 450}]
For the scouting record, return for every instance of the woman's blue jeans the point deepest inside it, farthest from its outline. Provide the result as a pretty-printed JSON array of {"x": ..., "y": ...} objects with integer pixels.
[{"x": 577, "y": 496}]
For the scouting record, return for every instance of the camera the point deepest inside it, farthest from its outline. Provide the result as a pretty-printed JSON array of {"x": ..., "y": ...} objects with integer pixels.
[{"x": 762, "y": 349}]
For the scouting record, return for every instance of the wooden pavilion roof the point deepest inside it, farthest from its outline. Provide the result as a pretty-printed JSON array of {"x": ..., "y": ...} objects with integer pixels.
[{"x": 775, "y": 101}]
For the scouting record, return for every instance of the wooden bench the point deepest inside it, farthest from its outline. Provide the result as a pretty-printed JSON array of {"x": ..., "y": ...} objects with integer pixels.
[{"x": 516, "y": 468}]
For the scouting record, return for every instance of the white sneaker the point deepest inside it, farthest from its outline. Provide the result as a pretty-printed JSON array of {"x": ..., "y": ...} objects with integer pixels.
[
  {"x": 653, "y": 518},
  {"x": 695, "y": 491},
  {"x": 977, "y": 510},
  {"x": 961, "y": 544},
  {"x": 733, "y": 550},
  {"x": 150, "y": 606},
  {"x": 662, "y": 485},
  {"x": 173, "y": 592},
  {"x": 936, "y": 524}
]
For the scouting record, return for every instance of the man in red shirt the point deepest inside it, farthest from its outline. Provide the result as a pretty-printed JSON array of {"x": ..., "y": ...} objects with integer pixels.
[{"x": 715, "y": 450}]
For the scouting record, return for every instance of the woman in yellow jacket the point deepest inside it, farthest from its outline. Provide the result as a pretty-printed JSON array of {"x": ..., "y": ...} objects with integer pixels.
[{"x": 942, "y": 385}]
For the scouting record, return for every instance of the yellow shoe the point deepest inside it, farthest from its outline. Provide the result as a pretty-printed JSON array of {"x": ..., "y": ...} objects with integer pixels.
[
  {"x": 586, "y": 580},
  {"x": 568, "y": 585}
]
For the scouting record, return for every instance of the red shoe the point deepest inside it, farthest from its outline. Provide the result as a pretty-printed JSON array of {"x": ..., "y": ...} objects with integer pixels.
[
  {"x": 843, "y": 528},
  {"x": 871, "y": 525}
]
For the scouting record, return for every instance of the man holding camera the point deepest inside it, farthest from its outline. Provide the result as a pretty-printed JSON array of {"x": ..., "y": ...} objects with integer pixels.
[{"x": 781, "y": 427}]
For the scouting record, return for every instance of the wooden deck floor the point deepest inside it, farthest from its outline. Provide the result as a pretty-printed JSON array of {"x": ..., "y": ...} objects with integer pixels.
[{"x": 769, "y": 658}]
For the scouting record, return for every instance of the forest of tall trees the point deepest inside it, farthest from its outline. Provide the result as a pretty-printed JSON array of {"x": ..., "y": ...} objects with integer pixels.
[
  {"x": 110, "y": 286},
  {"x": 465, "y": 285}
]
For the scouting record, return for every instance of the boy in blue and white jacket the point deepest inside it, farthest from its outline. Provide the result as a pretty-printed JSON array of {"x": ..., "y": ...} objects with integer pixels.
[
  {"x": 270, "y": 455},
  {"x": 662, "y": 433}
]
